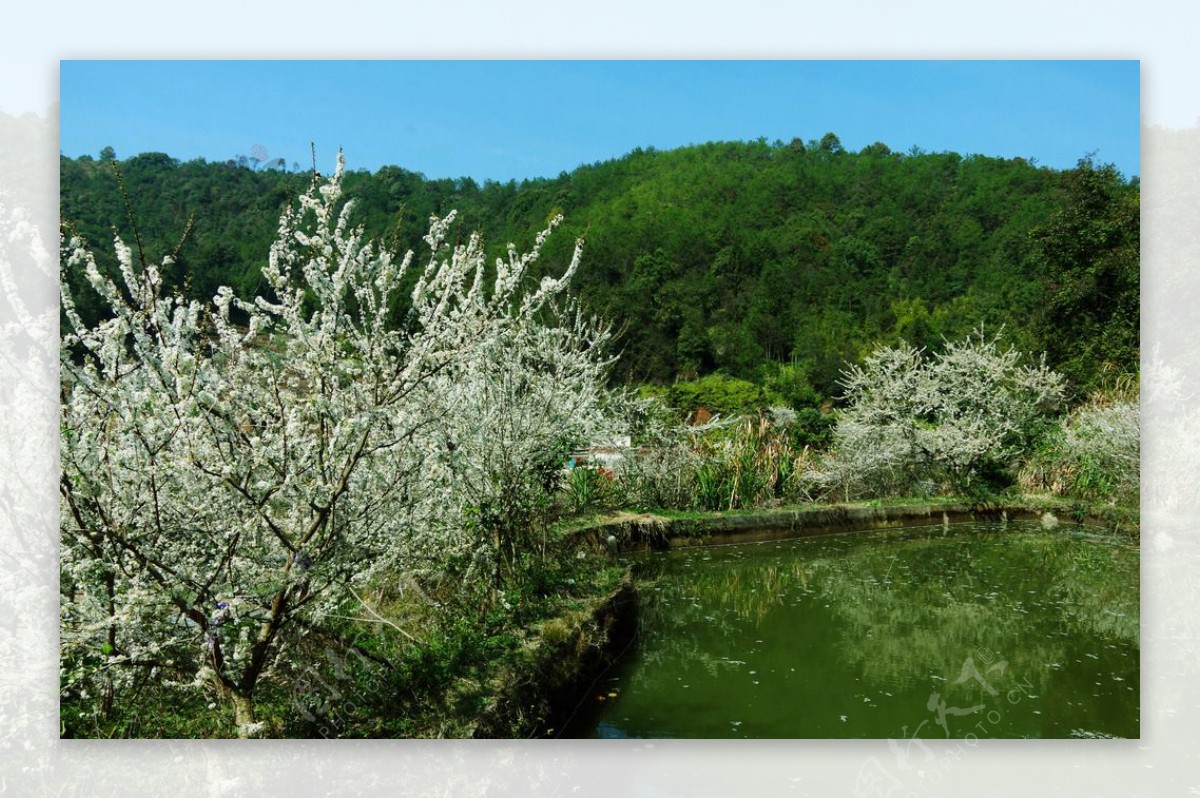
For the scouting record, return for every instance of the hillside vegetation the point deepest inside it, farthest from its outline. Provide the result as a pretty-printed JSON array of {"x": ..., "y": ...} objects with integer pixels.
[{"x": 775, "y": 263}]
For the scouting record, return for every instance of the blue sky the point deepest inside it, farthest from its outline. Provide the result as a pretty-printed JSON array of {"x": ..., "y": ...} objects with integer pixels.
[{"x": 523, "y": 119}]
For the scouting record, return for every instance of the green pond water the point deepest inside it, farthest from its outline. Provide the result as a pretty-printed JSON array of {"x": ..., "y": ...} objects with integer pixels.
[{"x": 996, "y": 631}]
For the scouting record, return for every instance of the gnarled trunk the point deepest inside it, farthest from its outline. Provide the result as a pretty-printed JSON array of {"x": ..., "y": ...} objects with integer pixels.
[
  {"x": 243, "y": 707},
  {"x": 243, "y": 715}
]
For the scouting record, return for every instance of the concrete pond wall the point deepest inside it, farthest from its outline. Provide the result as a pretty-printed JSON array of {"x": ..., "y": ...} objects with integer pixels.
[
  {"x": 537, "y": 694},
  {"x": 641, "y": 532}
]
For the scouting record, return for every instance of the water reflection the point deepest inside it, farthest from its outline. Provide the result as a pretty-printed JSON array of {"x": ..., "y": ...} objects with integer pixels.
[{"x": 852, "y": 635}]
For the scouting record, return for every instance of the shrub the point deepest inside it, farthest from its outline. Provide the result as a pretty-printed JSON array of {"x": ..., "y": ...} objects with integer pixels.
[
  {"x": 1094, "y": 455},
  {"x": 719, "y": 394}
]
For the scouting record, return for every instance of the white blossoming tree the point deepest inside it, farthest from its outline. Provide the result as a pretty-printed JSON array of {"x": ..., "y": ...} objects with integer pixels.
[
  {"x": 510, "y": 414},
  {"x": 230, "y": 472},
  {"x": 926, "y": 423},
  {"x": 28, "y": 345}
]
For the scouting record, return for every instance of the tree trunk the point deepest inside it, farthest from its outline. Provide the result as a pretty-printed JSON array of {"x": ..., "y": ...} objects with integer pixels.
[
  {"x": 107, "y": 694},
  {"x": 243, "y": 715}
]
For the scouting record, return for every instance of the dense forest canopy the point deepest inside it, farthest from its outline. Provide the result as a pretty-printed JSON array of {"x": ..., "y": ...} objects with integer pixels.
[{"x": 775, "y": 263}]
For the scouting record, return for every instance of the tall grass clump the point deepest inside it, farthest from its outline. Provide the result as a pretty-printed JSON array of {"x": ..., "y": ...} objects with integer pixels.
[
  {"x": 1094, "y": 455},
  {"x": 726, "y": 464}
]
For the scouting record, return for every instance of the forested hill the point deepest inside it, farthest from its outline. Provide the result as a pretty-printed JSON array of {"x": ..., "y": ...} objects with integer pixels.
[{"x": 774, "y": 262}]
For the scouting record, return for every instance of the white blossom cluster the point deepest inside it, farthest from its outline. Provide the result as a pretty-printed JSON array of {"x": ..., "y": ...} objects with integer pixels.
[
  {"x": 506, "y": 416},
  {"x": 1108, "y": 438},
  {"x": 229, "y": 471},
  {"x": 1172, "y": 438},
  {"x": 28, "y": 387},
  {"x": 912, "y": 418}
]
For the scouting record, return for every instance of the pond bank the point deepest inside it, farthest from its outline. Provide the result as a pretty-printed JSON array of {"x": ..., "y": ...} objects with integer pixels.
[
  {"x": 634, "y": 532},
  {"x": 554, "y": 669}
]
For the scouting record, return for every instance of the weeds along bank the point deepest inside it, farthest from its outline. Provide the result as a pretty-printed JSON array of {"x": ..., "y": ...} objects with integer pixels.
[
  {"x": 340, "y": 508},
  {"x": 978, "y": 422}
]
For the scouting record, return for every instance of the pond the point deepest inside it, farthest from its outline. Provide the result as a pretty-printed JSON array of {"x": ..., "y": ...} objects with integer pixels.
[{"x": 992, "y": 630}]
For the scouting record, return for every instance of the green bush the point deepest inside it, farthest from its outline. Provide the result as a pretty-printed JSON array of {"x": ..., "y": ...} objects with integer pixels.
[{"x": 717, "y": 393}]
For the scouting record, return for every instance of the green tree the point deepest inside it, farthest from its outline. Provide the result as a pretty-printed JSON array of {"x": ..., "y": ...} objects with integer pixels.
[
  {"x": 1088, "y": 254},
  {"x": 830, "y": 143}
]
